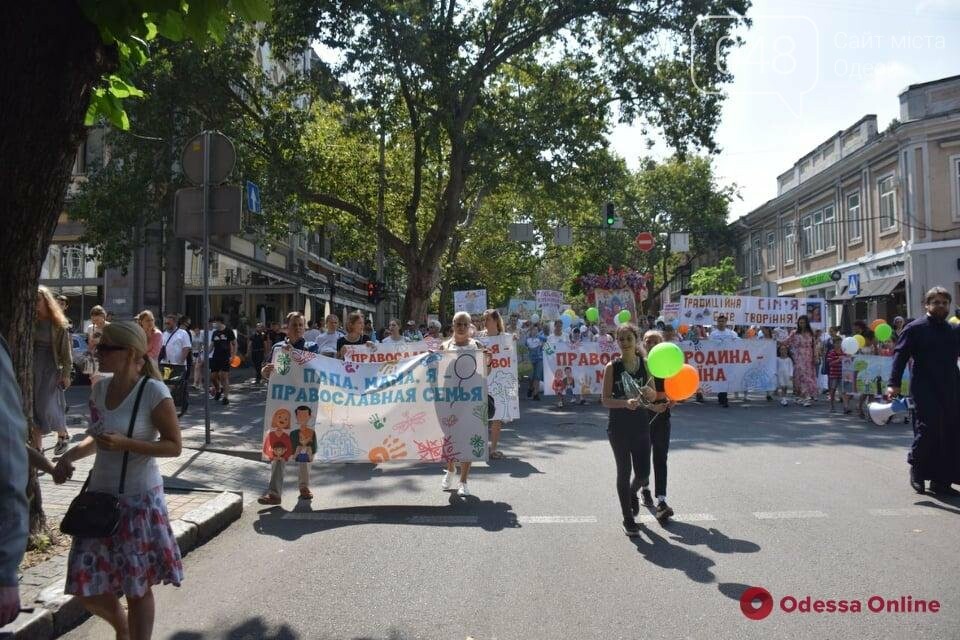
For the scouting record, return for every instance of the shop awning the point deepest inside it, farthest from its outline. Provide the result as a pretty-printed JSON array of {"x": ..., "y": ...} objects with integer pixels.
[
  {"x": 873, "y": 289},
  {"x": 879, "y": 288},
  {"x": 843, "y": 297}
]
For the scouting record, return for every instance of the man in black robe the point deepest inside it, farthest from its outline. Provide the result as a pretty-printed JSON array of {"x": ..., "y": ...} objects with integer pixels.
[{"x": 934, "y": 346}]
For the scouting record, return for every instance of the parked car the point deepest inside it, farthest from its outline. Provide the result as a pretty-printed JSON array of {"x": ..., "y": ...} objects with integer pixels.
[{"x": 80, "y": 356}]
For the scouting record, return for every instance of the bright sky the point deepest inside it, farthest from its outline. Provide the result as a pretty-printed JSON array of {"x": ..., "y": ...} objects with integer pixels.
[{"x": 811, "y": 69}]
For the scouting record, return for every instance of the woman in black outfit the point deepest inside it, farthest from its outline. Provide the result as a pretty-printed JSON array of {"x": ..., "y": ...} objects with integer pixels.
[{"x": 629, "y": 426}]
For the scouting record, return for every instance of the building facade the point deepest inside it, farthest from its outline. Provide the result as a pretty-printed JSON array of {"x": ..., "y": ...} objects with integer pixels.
[
  {"x": 248, "y": 282},
  {"x": 867, "y": 220}
]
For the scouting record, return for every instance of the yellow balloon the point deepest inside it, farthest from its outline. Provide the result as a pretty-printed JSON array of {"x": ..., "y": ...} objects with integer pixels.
[
  {"x": 954, "y": 320},
  {"x": 861, "y": 341}
]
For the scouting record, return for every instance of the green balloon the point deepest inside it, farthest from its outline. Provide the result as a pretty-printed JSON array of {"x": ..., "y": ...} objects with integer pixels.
[
  {"x": 593, "y": 314},
  {"x": 623, "y": 317},
  {"x": 665, "y": 360},
  {"x": 883, "y": 332}
]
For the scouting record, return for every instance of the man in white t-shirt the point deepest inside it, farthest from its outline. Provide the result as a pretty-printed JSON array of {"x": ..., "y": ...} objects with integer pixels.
[
  {"x": 327, "y": 341},
  {"x": 175, "y": 344},
  {"x": 722, "y": 333},
  {"x": 312, "y": 333}
]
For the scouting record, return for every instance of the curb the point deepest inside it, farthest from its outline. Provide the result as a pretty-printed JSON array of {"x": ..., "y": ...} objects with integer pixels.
[{"x": 56, "y": 612}]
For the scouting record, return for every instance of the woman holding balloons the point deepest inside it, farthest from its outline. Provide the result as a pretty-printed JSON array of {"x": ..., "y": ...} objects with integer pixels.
[{"x": 635, "y": 390}]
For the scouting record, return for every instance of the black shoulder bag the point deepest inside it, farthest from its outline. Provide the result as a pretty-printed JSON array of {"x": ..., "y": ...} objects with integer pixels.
[{"x": 94, "y": 514}]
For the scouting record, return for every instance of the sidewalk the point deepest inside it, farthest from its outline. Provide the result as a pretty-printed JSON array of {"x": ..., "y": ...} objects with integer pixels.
[{"x": 205, "y": 492}]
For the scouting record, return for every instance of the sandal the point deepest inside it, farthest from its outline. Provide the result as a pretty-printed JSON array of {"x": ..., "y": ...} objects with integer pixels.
[{"x": 496, "y": 455}]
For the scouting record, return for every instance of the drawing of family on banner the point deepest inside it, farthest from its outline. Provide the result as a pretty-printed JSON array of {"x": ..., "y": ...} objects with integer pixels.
[
  {"x": 610, "y": 302},
  {"x": 752, "y": 310},
  {"x": 733, "y": 365},
  {"x": 502, "y": 380},
  {"x": 473, "y": 302},
  {"x": 429, "y": 408},
  {"x": 578, "y": 366},
  {"x": 861, "y": 373}
]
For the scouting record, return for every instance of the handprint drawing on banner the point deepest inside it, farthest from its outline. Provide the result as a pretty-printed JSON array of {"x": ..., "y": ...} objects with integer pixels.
[
  {"x": 392, "y": 449},
  {"x": 351, "y": 367},
  {"x": 549, "y": 349},
  {"x": 387, "y": 368},
  {"x": 377, "y": 422},
  {"x": 302, "y": 357},
  {"x": 477, "y": 443},
  {"x": 448, "y": 421}
]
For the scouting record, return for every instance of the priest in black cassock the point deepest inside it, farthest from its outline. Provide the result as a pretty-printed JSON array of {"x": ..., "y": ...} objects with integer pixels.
[{"x": 934, "y": 345}]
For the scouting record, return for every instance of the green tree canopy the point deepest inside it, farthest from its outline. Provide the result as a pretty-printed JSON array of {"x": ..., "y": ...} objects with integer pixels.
[{"x": 720, "y": 278}]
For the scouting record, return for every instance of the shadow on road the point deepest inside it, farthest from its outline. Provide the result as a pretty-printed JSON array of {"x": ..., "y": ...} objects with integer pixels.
[
  {"x": 942, "y": 507},
  {"x": 712, "y": 538},
  {"x": 461, "y": 512},
  {"x": 732, "y": 590},
  {"x": 252, "y": 628},
  {"x": 660, "y": 552}
]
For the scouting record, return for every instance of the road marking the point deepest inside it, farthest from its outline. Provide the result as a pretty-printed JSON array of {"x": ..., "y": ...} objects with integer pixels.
[
  {"x": 682, "y": 517},
  {"x": 788, "y": 515},
  {"x": 334, "y": 517},
  {"x": 906, "y": 511},
  {"x": 557, "y": 519},
  {"x": 442, "y": 520}
]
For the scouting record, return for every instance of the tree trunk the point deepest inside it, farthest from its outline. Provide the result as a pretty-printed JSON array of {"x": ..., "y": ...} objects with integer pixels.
[
  {"x": 421, "y": 281},
  {"x": 52, "y": 58}
]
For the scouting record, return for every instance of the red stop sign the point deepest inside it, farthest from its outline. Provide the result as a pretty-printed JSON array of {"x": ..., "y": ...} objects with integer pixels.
[{"x": 644, "y": 241}]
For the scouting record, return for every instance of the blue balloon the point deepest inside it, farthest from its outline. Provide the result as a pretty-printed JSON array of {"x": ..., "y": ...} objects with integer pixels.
[
  {"x": 675, "y": 323},
  {"x": 565, "y": 319}
]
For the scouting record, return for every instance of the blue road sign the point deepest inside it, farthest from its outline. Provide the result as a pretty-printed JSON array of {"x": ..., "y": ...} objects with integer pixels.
[
  {"x": 253, "y": 198},
  {"x": 853, "y": 284}
]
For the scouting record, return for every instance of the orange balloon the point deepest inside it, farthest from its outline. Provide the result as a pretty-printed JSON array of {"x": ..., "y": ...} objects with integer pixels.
[
  {"x": 683, "y": 385},
  {"x": 235, "y": 361},
  {"x": 683, "y": 329},
  {"x": 876, "y": 323}
]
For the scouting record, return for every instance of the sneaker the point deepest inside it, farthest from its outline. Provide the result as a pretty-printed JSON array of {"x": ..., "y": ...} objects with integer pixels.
[
  {"x": 225, "y": 401},
  {"x": 269, "y": 498},
  {"x": 784, "y": 402},
  {"x": 647, "y": 497},
  {"x": 664, "y": 511},
  {"x": 448, "y": 477},
  {"x": 463, "y": 491},
  {"x": 62, "y": 445},
  {"x": 631, "y": 528},
  {"x": 807, "y": 402}
]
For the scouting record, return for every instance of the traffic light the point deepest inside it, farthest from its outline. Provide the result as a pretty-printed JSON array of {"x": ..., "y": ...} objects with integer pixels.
[
  {"x": 371, "y": 291},
  {"x": 608, "y": 214}
]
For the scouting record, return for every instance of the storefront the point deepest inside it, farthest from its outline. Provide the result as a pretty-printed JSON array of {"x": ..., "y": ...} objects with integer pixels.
[{"x": 872, "y": 290}]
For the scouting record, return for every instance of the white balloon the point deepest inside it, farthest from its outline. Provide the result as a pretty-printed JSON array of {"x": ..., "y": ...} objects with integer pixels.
[
  {"x": 534, "y": 318},
  {"x": 849, "y": 345}
]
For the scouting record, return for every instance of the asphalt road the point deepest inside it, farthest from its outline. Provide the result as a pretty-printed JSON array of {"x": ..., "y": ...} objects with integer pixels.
[{"x": 789, "y": 499}]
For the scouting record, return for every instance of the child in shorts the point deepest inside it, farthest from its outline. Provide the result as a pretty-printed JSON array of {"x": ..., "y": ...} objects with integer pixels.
[{"x": 784, "y": 373}]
